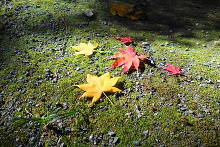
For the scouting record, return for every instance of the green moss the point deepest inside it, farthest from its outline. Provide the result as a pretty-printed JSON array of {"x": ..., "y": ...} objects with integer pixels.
[{"x": 43, "y": 47}]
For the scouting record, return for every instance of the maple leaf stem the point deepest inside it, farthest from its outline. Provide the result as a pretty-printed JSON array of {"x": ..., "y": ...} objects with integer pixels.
[{"x": 108, "y": 98}]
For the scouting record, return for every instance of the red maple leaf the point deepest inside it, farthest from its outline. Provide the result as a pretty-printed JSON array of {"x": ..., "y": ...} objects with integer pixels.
[
  {"x": 125, "y": 40},
  {"x": 174, "y": 70},
  {"x": 128, "y": 58}
]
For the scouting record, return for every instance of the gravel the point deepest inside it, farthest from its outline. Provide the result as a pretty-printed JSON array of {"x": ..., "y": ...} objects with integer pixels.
[
  {"x": 113, "y": 140},
  {"x": 21, "y": 105},
  {"x": 110, "y": 133}
]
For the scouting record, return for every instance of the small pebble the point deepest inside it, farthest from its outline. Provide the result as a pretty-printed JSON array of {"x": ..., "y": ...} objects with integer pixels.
[
  {"x": 172, "y": 51},
  {"x": 200, "y": 115},
  {"x": 89, "y": 13},
  {"x": 63, "y": 145},
  {"x": 91, "y": 137},
  {"x": 203, "y": 85},
  {"x": 60, "y": 124},
  {"x": 146, "y": 47},
  {"x": 209, "y": 81},
  {"x": 137, "y": 143},
  {"x": 110, "y": 133},
  {"x": 183, "y": 108},
  {"x": 68, "y": 130},
  {"x": 115, "y": 140},
  {"x": 199, "y": 78},
  {"x": 146, "y": 133}
]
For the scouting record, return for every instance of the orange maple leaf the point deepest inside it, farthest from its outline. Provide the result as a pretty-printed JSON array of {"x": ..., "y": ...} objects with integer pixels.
[{"x": 128, "y": 58}]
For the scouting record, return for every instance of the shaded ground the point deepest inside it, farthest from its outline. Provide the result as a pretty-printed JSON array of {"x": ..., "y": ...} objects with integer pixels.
[{"x": 38, "y": 102}]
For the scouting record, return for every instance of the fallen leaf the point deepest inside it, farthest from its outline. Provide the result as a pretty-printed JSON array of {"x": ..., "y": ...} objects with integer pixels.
[
  {"x": 121, "y": 9},
  {"x": 98, "y": 85},
  {"x": 128, "y": 58},
  {"x": 174, "y": 70},
  {"x": 84, "y": 48},
  {"x": 126, "y": 10},
  {"x": 125, "y": 40}
]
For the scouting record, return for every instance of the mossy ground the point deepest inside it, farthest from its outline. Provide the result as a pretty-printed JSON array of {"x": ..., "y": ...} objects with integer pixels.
[{"x": 38, "y": 74}]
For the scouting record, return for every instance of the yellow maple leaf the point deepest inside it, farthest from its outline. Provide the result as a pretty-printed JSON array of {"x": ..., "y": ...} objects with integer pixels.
[
  {"x": 98, "y": 85},
  {"x": 84, "y": 48}
]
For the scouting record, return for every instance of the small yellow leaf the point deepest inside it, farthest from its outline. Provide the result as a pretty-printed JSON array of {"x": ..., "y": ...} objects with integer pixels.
[
  {"x": 86, "y": 49},
  {"x": 97, "y": 85}
]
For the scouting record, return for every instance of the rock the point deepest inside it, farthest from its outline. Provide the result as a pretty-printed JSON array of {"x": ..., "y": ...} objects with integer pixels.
[
  {"x": 63, "y": 145},
  {"x": 104, "y": 108},
  {"x": 115, "y": 140},
  {"x": 139, "y": 114},
  {"x": 182, "y": 99},
  {"x": 153, "y": 91},
  {"x": 183, "y": 108},
  {"x": 191, "y": 112},
  {"x": 68, "y": 130},
  {"x": 60, "y": 124},
  {"x": 13, "y": 72},
  {"x": 111, "y": 133},
  {"x": 172, "y": 51},
  {"x": 38, "y": 6},
  {"x": 208, "y": 81},
  {"x": 65, "y": 105},
  {"x": 95, "y": 139},
  {"x": 203, "y": 85},
  {"x": 77, "y": 68},
  {"x": 59, "y": 141},
  {"x": 162, "y": 44},
  {"x": 91, "y": 137},
  {"x": 199, "y": 78},
  {"x": 146, "y": 46},
  {"x": 200, "y": 115},
  {"x": 32, "y": 139},
  {"x": 48, "y": 74},
  {"x": 151, "y": 61},
  {"x": 89, "y": 13},
  {"x": 104, "y": 22},
  {"x": 146, "y": 133},
  {"x": 40, "y": 144},
  {"x": 206, "y": 110},
  {"x": 207, "y": 63},
  {"x": 137, "y": 143}
]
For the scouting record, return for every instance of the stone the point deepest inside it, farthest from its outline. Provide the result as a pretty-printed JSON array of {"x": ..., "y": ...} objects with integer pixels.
[
  {"x": 111, "y": 133},
  {"x": 89, "y": 13},
  {"x": 146, "y": 133},
  {"x": 115, "y": 140}
]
